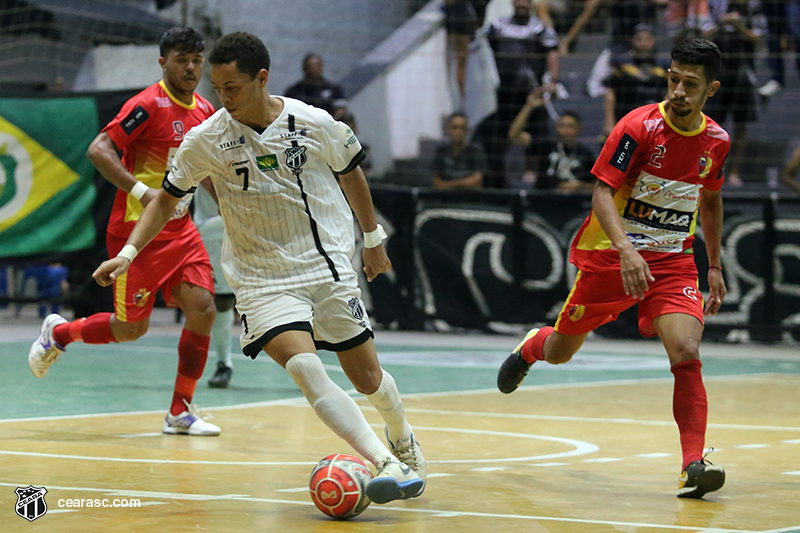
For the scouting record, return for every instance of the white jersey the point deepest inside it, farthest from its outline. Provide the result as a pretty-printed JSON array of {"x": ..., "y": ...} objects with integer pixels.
[{"x": 287, "y": 222}]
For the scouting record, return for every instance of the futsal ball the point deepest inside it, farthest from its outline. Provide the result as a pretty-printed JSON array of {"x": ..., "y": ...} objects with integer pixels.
[{"x": 338, "y": 486}]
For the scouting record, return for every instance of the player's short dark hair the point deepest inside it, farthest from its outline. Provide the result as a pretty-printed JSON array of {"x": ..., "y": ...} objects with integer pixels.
[
  {"x": 245, "y": 49},
  {"x": 573, "y": 114},
  {"x": 456, "y": 114},
  {"x": 183, "y": 39},
  {"x": 309, "y": 57},
  {"x": 699, "y": 51}
]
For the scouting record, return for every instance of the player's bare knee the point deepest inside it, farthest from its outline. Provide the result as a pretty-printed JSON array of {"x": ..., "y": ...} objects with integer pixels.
[
  {"x": 368, "y": 381},
  {"x": 684, "y": 350},
  {"x": 130, "y": 331}
]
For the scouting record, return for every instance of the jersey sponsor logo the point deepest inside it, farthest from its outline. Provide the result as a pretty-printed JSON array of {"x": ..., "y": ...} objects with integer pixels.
[
  {"x": 140, "y": 298},
  {"x": 690, "y": 292},
  {"x": 657, "y": 217},
  {"x": 704, "y": 165},
  {"x": 230, "y": 145},
  {"x": 235, "y": 163},
  {"x": 624, "y": 153},
  {"x": 296, "y": 157},
  {"x": 351, "y": 141},
  {"x": 267, "y": 162},
  {"x": 652, "y": 125},
  {"x": 576, "y": 312},
  {"x": 135, "y": 118},
  {"x": 293, "y": 134},
  {"x": 163, "y": 101},
  {"x": 650, "y": 189},
  {"x": 356, "y": 308}
]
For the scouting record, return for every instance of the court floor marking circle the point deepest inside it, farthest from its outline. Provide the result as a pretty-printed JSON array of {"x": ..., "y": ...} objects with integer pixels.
[{"x": 580, "y": 448}]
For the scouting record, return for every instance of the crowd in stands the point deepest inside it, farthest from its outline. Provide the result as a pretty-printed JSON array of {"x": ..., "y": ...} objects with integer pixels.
[{"x": 528, "y": 47}]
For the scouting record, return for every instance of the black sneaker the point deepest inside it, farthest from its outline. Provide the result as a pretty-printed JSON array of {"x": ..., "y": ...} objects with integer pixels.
[
  {"x": 514, "y": 368},
  {"x": 699, "y": 478},
  {"x": 221, "y": 377}
]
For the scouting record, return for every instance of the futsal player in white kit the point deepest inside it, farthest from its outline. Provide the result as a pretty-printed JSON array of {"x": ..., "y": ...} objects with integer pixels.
[{"x": 273, "y": 162}]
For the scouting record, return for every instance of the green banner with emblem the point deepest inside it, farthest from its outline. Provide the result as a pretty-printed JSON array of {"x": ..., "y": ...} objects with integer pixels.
[{"x": 46, "y": 183}]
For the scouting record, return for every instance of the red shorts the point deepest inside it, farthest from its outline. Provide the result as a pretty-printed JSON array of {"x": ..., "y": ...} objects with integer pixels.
[
  {"x": 598, "y": 297},
  {"x": 163, "y": 264}
]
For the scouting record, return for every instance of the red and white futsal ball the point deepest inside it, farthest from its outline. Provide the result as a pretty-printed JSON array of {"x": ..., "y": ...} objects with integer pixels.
[{"x": 338, "y": 486}]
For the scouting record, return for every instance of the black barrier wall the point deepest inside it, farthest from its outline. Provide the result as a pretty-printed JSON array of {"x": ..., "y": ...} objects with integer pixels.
[{"x": 499, "y": 261}]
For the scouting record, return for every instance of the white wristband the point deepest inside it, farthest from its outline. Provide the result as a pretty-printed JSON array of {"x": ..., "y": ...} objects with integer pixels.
[
  {"x": 129, "y": 252},
  {"x": 138, "y": 190},
  {"x": 375, "y": 237}
]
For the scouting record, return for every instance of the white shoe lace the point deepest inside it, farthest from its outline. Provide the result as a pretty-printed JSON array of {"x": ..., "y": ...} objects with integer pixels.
[{"x": 197, "y": 412}]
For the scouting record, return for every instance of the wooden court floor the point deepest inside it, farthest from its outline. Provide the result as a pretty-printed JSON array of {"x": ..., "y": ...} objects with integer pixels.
[{"x": 586, "y": 448}]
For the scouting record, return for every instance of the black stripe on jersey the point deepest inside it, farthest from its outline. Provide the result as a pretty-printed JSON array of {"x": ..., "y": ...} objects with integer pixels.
[
  {"x": 314, "y": 229},
  {"x": 357, "y": 159},
  {"x": 355, "y": 342},
  {"x": 173, "y": 190}
]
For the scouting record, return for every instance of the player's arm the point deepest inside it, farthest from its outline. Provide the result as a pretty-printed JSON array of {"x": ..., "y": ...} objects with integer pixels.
[
  {"x": 790, "y": 171},
  {"x": 103, "y": 154},
  {"x": 711, "y": 220},
  {"x": 154, "y": 217},
  {"x": 356, "y": 190},
  {"x": 588, "y": 10},
  {"x": 633, "y": 268}
]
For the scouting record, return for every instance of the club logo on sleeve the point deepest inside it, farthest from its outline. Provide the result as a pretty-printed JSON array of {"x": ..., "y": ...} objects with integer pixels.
[
  {"x": 624, "y": 153},
  {"x": 267, "y": 162},
  {"x": 30, "y": 502},
  {"x": 135, "y": 118},
  {"x": 575, "y": 312},
  {"x": 704, "y": 165}
]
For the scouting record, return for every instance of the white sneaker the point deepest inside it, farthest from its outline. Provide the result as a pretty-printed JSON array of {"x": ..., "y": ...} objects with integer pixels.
[
  {"x": 394, "y": 481},
  {"x": 770, "y": 88},
  {"x": 190, "y": 422},
  {"x": 409, "y": 452},
  {"x": 44, "y": 351}
]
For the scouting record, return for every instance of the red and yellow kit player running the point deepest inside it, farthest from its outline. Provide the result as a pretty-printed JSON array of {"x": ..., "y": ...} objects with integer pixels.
[
  {"x": 148, "y": 129},
  {"x": 660, "y": 168}
]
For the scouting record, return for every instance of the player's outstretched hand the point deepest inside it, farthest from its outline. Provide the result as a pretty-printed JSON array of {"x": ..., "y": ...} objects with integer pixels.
[
  {"x": 376, "y": 262},
  {"x": 110, "y": 270},
  {"x": 635, "y": 274},
  {"x": 717, "y": 291}
]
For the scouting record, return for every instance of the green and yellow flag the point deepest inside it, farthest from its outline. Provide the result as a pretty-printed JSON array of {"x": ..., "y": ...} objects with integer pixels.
[{"x": 46, "y": 183}]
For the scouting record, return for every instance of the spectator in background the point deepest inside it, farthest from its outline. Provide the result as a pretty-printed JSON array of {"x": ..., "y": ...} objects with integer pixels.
[
  {"x": 525, "y": 48},
  {"x": 460, "y": 21},
  {"x": 458, "y": 164},
  {"x": 562, "y": 163},
  {"x": 625, "y": 16},
  {"x": 789, "y": 171},
  {"x": 783, "y": 23},
  {"x": 735, "y": 30},
  {"x": 315, "y": 90},
  {"x": 637, "y": 78}
]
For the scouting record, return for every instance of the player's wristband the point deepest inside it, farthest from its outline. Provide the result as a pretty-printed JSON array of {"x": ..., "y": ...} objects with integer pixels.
[
  {"x": 715, "y": 266},
  {"x": 129, "y": 252},
  {"x": 138, "y": 190},
  {"x": 375, "y": 237}
]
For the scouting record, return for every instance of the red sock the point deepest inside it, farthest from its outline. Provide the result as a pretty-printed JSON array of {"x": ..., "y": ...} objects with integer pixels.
[
  {"x": 533, "y": 349},
  {"x": 192, "y": 355},
  {"x": 690, "y": 408},
  {"x": 95, "y": 329}
]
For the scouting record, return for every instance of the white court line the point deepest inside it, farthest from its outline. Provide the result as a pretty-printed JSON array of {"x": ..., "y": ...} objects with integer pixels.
[
  {"x": 790, "y": 529},
  {"x": 430, "y": 512},
  {"x": 749, "y": 446},
  {"x": 793, "y": 441},
  {"x": 157, "y": 461},
  {"x": 657, "y": 454},
  {"x": 580, "y": 448},
  {"x": 792, "y": 473},
  {"x": 670, "y": 423}
]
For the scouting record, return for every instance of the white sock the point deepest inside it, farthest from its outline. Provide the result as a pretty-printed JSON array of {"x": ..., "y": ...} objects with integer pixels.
[
  {"x": 334, "y": 407},
  {"x": 388, "y": 403},
  {"x": 221, "y": 336}
]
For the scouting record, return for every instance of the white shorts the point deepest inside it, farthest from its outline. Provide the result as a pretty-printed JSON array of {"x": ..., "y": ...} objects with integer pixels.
[
  {"x": 332, "y": 312},
  {"x": 212, "y": 231}
]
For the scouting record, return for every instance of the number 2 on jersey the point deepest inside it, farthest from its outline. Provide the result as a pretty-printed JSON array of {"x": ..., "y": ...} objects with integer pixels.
[{"x": 246, "y": 172}]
